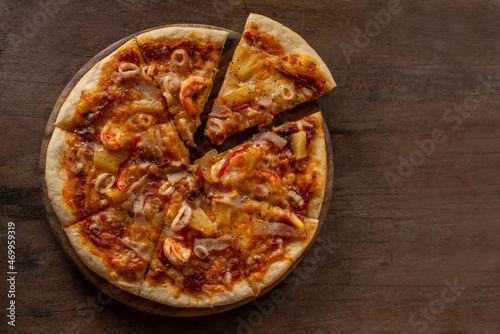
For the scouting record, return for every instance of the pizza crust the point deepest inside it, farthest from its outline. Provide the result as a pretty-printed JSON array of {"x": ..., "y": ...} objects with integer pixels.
[
  {"x": 172, "y": 295},
  {"x": 295, "y": 249},
  {"x": 292, "y": 43},
  {"x": 94, "y": 262},
  {"x": 318, "y": 158},
  {"x": 55, "y": 176},
  {"x": 273, "y": 273},
  {"x": 178, "y": 33},
  {"x": 67, "y": 114}
]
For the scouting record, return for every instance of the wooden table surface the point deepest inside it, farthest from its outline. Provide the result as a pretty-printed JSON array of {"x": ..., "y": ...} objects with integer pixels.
[{"x": 412, "y": 239}]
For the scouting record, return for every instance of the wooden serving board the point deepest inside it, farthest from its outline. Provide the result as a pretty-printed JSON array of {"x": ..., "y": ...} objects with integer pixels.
[{"x": 203, "y": 147}]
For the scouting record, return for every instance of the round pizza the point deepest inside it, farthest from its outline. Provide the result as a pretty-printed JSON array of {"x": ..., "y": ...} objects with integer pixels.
[{"x": 135, "y": 207}]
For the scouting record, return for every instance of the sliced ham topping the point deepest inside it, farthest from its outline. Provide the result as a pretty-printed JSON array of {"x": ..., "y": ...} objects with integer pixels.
[
  {"x": 143, "y": 249},
  {"x": 173, "y": 234},
  {"x": 158, "y": 141},
  {"x": 155, "y": 149},
  {"x": 202, "y": 247},
  {"x": 136, "y": 189},
  {"x": 265, "y": 101},
  {"x": 278, "y": 229},
  {"x": 139, "y": 205},
  {"x": 238, "y": 203},
  {"x": 220, "y": 111}
]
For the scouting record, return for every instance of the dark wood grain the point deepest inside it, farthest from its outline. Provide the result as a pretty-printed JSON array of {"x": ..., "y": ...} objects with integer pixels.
[{"x": 392, "y": 249}]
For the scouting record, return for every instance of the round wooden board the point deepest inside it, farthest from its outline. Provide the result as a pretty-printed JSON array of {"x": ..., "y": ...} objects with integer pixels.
[{"x": 203, "y": 147}]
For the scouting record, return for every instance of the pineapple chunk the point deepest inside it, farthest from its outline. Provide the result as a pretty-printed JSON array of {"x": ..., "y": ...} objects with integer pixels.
[
  {"x": 253, "y": 155},
  {"x": 244, "y": 62},
  {"x": 147, "y": 105},
  {"x": 296, "y": 221},
  {"x": 200, "y": 221},
  {"x": 204, "y": 161},
  {"x": 223, "y": 213},
  {"x": 240, "y": 96},
  {"x": 116, "y": 195},
  {"x": 108, "y": 160},
  {"x": 299, "y": 144}
]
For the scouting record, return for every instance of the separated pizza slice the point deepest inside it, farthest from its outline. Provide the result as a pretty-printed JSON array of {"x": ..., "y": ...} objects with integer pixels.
[
  {"x": 114, "y": 101},
  {"x": 271, "y": 239},
  {"x": 183, "y": 61},
  {"x": 273, "y": 69},
  {"x": 83, "y": 176},
  {"x": 286, "y": 167}
]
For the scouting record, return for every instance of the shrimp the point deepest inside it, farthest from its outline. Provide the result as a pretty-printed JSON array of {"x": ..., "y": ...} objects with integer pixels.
[
  {"x": 175, "y": 252},
  {"x": 112, "y": 137},
  {"x": 192, "y": 93}
]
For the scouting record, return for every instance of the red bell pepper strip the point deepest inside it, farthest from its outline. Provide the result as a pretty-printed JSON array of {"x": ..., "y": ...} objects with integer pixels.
[
  {"x": 133, "y": 146},
  {"x": 228, "y": 160},
  {"x": 119, "y": 174}
]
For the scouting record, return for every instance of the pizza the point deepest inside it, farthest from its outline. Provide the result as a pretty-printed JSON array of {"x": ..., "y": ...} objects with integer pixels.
[
  {"x": 144, "y": 216},
  {"x": 273, "y": 69}
]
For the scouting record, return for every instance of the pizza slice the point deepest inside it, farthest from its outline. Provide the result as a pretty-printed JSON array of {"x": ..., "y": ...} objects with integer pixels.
[
  {"x": 196, "y": 263},
  {"x": 273, "y": 69},
  {"x": 114, "y": 101},
  {"x": 183, "y": 61},
  {"x": 190, "y": 269},
  {"x": 83, "y": 176},
  {"x": 271, "y": 240},
  {"x": 77, "y": 185},
  {"x": 286, "y": 167}
]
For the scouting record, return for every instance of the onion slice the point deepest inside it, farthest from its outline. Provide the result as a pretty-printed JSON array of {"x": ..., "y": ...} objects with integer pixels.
[
  {"x": 100, "y": 179},
  {"x": 273, "y": 138},
  {"x": 176, "y": 177}
]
